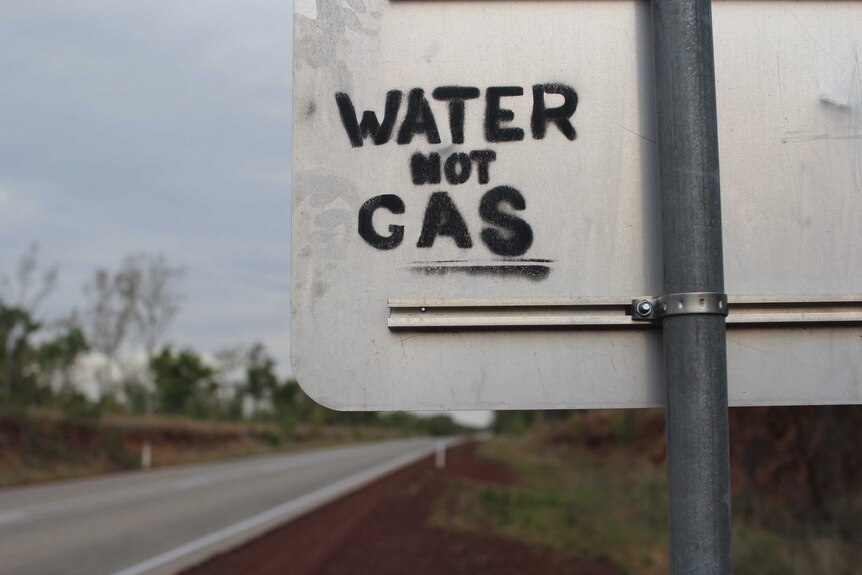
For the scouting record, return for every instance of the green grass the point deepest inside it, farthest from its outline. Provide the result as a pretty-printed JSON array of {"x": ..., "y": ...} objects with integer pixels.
[
  {"x": 46, "y": 445},
  {"x": 597, "y": 508},
  {"x": 610, "y": 506},
  {"x": 808, "y": 549}
]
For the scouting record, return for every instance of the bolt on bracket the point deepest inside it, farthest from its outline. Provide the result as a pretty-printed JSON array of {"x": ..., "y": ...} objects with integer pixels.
[{"x": 693, "y": 303}]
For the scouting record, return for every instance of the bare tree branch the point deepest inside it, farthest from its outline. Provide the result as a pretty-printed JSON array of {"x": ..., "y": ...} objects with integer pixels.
[
  {"x": 159, "y": 300},
  {"x": 140, "y": 299},
  {"x": 109, "y": 313},
  {"x": 19, "y": 303},
  {"x": 27, "y": 292}
]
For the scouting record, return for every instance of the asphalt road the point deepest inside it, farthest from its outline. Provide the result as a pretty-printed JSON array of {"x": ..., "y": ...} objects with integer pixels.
[{"x": 162, "y": 520}]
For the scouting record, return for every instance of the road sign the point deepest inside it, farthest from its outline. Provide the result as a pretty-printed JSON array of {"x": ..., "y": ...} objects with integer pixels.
[{"x": 475, "y": 207}]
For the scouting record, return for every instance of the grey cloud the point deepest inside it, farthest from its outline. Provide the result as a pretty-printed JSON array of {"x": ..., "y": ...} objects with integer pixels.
[{"x": 161, "y": 127}]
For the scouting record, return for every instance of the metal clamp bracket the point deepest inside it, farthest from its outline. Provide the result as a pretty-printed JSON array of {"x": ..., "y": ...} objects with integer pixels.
[
  {"x": 623, "y": 312},
  {"x": 693, "y": 303}
]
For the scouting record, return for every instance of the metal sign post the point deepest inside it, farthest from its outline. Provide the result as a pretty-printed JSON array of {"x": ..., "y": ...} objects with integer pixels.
[{"x": 695, "y": 353}]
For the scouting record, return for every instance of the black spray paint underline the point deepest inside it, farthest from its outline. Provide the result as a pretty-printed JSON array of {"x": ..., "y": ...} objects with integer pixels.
[
  {"x": 473, "y": 262},
  {"x": 528, "y": 271}
]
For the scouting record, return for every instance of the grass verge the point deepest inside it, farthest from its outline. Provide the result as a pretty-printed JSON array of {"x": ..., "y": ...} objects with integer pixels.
[
  {"x": 602, "y": 509},
  {"x": 46, "y": 446},
  {"x": 609, "y": 505}
]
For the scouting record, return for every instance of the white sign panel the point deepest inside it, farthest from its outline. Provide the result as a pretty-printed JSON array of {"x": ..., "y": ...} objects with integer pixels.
[{"x": 461, "y": 153}]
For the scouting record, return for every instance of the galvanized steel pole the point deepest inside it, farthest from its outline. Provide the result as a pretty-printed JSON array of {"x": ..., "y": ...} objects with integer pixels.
[{"x": 694, "y": 345}]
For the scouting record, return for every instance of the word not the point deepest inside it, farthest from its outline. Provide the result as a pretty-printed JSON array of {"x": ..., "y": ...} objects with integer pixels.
[
  {"x": 442, "y": 218},
  {"x": 419, "y": 118},
  {"x": 458, "y": 167}
]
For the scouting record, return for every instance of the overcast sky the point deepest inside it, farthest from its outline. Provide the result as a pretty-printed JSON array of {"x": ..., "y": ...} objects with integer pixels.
[
  {"x": 157, "y": 127},
  {"x": 160, "y": 127}
]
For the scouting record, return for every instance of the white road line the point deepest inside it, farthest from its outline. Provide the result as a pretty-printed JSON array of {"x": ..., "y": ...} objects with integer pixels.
[{"x": 287, "y": 508}]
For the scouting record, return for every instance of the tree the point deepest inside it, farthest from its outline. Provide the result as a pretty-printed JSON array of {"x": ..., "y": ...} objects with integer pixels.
[
  {"x": 16, "y": 352},
  {"x": 183, "y": 382},
  {"x": 261, "y": 379},
  {"x": 20, "y": 298},
  {"x": 158, "y": 297},
  {"x": 285, "y": 398},
  {"x": 29, "y": 287},
  {"x": 140, "y": 298},
  {"x": 515, "y": 421},
  {"x": 229, "y": 363},
  {"x": 110, "y": 309},
  {"x": 441, "y": 424},
  {"x": 57, "y": 356}
]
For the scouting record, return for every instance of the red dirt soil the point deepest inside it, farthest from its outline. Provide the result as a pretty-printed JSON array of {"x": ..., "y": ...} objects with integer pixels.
[{"x": 383, "y": 529}]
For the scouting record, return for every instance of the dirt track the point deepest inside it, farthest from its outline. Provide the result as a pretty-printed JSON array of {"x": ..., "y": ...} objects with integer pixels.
[{"x": 383, "y": 529}]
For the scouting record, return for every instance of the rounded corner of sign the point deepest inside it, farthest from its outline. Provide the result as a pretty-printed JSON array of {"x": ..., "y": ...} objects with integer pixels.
[{"x": 309, "y": 387}]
